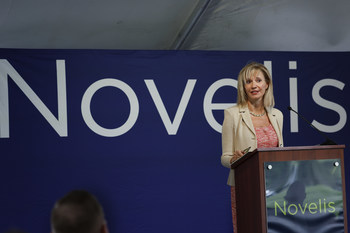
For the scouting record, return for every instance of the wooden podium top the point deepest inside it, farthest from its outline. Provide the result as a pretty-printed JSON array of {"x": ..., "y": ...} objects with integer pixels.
[
  {"x": 318, "y": 147},
  {"x": 285, "y": 149}
]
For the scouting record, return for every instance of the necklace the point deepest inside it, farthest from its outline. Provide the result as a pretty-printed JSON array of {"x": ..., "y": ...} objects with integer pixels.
[{"x": 258, "y": 115}]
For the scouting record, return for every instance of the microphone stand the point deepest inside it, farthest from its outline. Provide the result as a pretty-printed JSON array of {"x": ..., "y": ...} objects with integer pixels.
[{"x": 327, "y": 142}]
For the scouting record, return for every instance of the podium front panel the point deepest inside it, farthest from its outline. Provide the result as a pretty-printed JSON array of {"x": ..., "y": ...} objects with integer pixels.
[{"x": 304, "y": 196}]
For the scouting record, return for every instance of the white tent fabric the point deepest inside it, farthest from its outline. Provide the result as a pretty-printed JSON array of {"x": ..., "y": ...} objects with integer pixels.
[{"x": 273, "y": 25}]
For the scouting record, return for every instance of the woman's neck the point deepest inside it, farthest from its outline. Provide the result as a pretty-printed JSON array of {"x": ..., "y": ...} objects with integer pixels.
[{"x": 256, "y": 107}]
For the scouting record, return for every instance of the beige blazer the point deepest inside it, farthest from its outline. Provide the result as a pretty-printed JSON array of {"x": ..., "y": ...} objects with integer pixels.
[{"x": 238, "y": 133}]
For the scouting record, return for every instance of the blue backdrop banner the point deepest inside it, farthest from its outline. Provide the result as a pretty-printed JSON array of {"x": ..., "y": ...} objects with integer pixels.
[{"x": 142, "y": 130}]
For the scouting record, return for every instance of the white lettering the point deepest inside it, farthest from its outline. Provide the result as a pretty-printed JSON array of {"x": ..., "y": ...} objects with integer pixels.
[
  {"x": 60, "y": 124},
  {"x": 330, "y": 105},
  {"x": 268, "y": 65},
  {"x": 171, "y": 127},
  {"x": 208, "y": 106},
  {"x": 293, "y": 100},
  {"x": 86, "y": 111}
]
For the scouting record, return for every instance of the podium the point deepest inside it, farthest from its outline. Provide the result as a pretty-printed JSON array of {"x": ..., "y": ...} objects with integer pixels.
[{"x": 291, "y": 189}]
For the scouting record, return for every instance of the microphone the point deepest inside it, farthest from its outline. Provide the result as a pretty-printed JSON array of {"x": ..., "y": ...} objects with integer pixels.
[{"x": 327, "y": 142}]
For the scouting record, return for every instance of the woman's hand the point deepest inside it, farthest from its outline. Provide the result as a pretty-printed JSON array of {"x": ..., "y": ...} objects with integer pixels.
[{"x": 236, "y": 155}]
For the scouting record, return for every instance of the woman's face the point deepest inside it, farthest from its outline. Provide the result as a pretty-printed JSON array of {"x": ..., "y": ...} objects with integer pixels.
[{"x": 256, "y": 86}]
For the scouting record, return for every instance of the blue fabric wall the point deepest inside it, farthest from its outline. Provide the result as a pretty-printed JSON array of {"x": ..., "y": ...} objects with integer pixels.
[{"x": 153, "y": 172}]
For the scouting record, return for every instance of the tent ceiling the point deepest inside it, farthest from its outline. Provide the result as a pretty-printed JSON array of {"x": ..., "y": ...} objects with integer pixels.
[{"x": 277, "y": 25}]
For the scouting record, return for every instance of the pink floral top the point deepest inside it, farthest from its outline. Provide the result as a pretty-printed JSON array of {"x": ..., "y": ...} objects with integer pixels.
[{"x": 266, "y": 136}]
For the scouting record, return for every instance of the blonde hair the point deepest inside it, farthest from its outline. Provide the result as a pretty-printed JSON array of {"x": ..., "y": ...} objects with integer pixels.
[{"x": 246, "y": 73}]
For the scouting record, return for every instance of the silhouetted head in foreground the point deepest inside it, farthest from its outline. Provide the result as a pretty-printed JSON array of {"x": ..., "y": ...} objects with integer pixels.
[{"x": 78, "y": 212}]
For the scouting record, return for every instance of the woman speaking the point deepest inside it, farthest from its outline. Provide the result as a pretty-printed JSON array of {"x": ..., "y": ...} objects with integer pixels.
[{"x": 252, "y": 123}]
